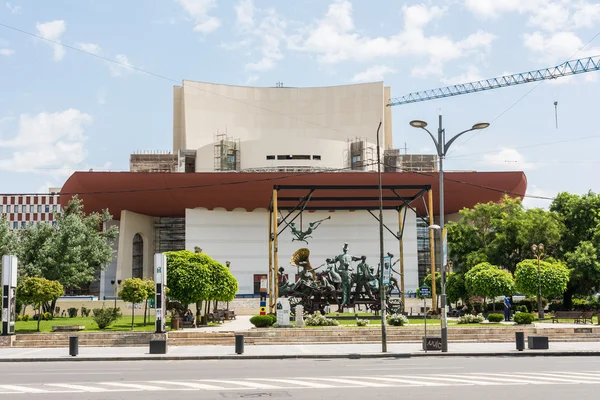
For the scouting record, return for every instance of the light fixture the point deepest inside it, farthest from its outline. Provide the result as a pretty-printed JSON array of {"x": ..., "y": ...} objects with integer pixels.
[
  {"x": 437, "y": 227},
  {"x": 481, "y": 125},
  {"x": 418, "y": 124}
]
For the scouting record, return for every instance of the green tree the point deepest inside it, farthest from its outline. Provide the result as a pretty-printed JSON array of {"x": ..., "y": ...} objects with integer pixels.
[
  {"x": 501, "y": 233},
  {"x": 438, "y": 282},
  {"x": 488, "y": 281},
  {"x": 74, "y": 251},
  {"x": 580, "y": 242},
  {"x": 553, "y": 277},
  {"x": 37, "y": 291},
  {"x": 455, "y": 287},
  {"x": 135, "y": 290},
  {"x": 7, "y": 238},
  {"x": 151, "y": 291}
]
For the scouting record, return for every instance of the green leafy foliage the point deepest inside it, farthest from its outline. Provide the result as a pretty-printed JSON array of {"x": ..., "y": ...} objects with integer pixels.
[
  {"x": 262, "y": 321},
  {"x": 193, "y": 277},
  {"x": 455, "y": 287},
  {"x": 37, "y": 291},
  {"x": 104, "y": 317},
  {"x": 501, "y": 234},
  {"x": 134, "y": 290},
  {"x": 397, "y": 320},
  {"x": 317, "y": 319},
  {"x": 488, "y": 281},
  {"x": 72, "y": 312},
  {"x": 495, "y": 317},
  {"x": 470, "y": 319},
  {"x": 7, "y": 238},
  {"x": 523, "y": 318},
  {"x": 553, "y": 278},
  {"x": 438, "y": 282},
  {"x": 71, "y": 253}
]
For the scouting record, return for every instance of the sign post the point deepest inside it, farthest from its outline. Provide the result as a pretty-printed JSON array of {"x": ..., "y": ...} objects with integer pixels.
[
  {"x": 425, "y": 292},
  {"x": 263, "y": 295},
  {"x": 9, "y": 288},
  {"x": 160, "y": 280}
]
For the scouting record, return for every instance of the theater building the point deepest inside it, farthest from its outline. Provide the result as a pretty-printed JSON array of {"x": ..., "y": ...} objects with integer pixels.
[{"x": 234, "y": 147}]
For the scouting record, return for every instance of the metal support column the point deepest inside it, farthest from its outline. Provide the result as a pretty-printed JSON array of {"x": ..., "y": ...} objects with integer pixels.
[
  {"x": 270, "y": 287},
  {"x": 275, "y": 250},
  {"x": 401, "y": 248},
  {"x": 432, "y": 250}
]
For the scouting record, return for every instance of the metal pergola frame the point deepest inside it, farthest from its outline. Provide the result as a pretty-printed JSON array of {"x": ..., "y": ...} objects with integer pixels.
[{"x": 394, "y": 198}]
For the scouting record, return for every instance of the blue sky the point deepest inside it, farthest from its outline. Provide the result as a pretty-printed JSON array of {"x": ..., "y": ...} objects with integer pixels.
[{"x": 62, "y": 110}]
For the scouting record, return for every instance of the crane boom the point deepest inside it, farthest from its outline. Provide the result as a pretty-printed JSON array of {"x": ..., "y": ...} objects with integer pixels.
[{"x": 572, "y": 67}]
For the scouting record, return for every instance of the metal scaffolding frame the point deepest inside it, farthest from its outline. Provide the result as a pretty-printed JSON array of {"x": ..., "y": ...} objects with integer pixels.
[{"x": 395, "y": 197}]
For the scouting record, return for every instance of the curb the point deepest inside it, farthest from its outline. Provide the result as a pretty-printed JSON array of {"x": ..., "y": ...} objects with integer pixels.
[{"x": 351, "y": 356}]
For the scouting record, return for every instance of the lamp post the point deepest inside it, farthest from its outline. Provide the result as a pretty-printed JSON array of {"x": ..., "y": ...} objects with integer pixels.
[
  {"x": 116, "y": 289},
  {"x": 538, "y": 252},
  {"x": 382, "y": 292},
  {"x": 442, "y": 148}
]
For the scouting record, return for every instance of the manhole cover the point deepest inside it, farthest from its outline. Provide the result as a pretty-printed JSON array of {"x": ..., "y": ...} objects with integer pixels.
[{"x": 255, "y": 395}]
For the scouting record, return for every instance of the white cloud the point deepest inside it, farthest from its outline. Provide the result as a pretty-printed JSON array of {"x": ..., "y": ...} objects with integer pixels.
[
  {"x": 53, "y": 31},
  {"x": 47, "y": 141},
  {"x": 533, "y": 202},
  {"x": 558, "y": 47},
  {"x": 15, "y": 9},
  {"x": 508, "y": 158},
  {"x": 90, "y": 48},
  {"x": 261, "y": 31},
  {"x": 6, "y": 52},
  {"x": 586, "y": 15},
  {"x": 470, "y": 75},
  {"x": 376, "y": 73},
  {"x": 123, "y": 67},
  {"x": 335, "y": 39},
  {"x": 198, "y": 11}
]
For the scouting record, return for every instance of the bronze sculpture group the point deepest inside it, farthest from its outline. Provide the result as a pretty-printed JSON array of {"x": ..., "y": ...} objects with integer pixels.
[{"x": 339, "y": 283}]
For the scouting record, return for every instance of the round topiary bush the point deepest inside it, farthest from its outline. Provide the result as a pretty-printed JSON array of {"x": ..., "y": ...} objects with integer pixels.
[
  {"x": 522, "y": 318},
  {"x": 495, "y": 317},
  {"x": 262, "y": 321}
]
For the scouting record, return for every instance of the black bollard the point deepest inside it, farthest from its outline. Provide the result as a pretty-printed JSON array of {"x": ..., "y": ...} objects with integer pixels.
[
  {"x": 73, "y": 345},
  {"x": 520, "y": 339},
  {"x": 239, "y": 344}
]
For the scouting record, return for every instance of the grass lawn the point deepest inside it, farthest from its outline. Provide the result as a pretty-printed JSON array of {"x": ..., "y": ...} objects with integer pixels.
[{"x": 122, "y": 324}]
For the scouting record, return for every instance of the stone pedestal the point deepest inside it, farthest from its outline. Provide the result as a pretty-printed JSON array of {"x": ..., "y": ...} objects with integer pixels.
[
  {"x": 7, "y": 341},
  {"x": 299, "y": 316}
]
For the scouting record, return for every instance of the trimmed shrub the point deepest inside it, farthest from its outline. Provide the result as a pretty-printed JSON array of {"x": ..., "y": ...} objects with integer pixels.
[
  {"x": 397, "y": 320},
  {"x": 495, "y": 317},
  {"x": 47, "y": 316},
  {"x": 262, "y": 321},
  {"x": 19, "y": 318},
  {"x": 72, "y": 312},
  {"x": 471, "y": 319},
  {"x": 273, "y": 318},
  {"x": 522, "y": 318},
  {"x": 26, "y": 317},
  {"x": 522, "y": 308},
  {"x": 106, "y": 316},
  {"x": 362, "y": 322},
  {"x": 85, "y": 312}
]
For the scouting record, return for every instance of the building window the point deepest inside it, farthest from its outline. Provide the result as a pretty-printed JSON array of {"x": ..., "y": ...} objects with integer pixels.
[
  {"x": 15, "y": 225},
  {"x": 423, "y": 253},
  {"x": 8, "y": 209},
  {"x": 257, "y": 279},
  {"x": 280, "y": 157},
  {"x": 270, "y": 157},
  {"x": 47, "y": 208},
  {"x": 16, "y": 209},
  {"x": 316, "y": 157},
  {"x": 39, "y": 209},
  {"x": 23, "y": 225},
  {"x": 355, "y": 159},
  {"x": 293, "y": 157},
  {"x": 23, "y": 209},
  {"x": 31, "y": 209},
  {"x": 137, "y": 263},
  {"x": 1, "y": 208},
  {"x": 54, "y": 209},
  {"x": 53, "y": 223}
]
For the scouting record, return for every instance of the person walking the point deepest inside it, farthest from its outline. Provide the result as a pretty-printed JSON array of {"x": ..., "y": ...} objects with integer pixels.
[{"x": 506, "y": 309}]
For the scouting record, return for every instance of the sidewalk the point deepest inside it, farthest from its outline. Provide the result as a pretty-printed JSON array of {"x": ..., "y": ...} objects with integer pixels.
[{"x": 12, "y": 354}]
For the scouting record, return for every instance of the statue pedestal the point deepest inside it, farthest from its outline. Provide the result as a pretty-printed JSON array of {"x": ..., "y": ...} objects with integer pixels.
[{"x": 300, "y": 317}]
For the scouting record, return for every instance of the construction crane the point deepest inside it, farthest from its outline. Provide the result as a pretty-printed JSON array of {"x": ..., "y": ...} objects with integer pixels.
[{"x": 573, "y": 67}]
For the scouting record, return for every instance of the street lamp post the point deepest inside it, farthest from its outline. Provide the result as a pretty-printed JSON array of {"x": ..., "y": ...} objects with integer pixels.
[
  {"x": 116, "y": 288},
  {"x": 538, "y": 252},
  {"x": 442, "y": 148}
]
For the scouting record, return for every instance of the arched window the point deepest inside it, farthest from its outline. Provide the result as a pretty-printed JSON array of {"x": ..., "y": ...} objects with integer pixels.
[{"x": 137, "y": 262}]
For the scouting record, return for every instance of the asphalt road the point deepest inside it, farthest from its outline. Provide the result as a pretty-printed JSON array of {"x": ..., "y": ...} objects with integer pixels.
[{"x": 425, "y": 378}]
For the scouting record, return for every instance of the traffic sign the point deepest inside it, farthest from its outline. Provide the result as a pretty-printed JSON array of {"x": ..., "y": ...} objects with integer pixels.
[{"x": 425, "y": 291}]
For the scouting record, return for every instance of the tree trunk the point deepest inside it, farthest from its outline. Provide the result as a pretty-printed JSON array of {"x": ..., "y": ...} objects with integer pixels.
[
  {"x": 132, "y": 315},
  {"x": 198, "y": 310},
  {"x": 145, "y": 310},
  {"x": 568, "y": 299},
  {"x": 39, "y": 316}
]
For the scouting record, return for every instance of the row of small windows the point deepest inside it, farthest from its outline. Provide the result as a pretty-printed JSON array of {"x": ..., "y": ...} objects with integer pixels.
[
  {"x": 23, "y": 224},
  {"x": 23, "y": 209},
  {"x": 293, "y": 157}
]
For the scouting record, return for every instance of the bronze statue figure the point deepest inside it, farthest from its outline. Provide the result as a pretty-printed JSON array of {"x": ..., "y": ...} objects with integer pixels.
[{"x": 300, "y": 235}]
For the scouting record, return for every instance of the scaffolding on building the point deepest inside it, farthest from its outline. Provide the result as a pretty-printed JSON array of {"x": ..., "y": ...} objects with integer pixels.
[
  {"x": 153, "y": 161},
  {"x": 169, "y": 234},
  {"x": 361, "y": 155},
  {"x": 227, "y": 152}
]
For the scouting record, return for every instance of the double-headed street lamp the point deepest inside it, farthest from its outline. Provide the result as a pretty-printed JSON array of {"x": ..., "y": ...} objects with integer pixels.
[
  {"x": 538, "y": 252},
  {"x": 442, "y": 148},
  {"x": 116, "y": 289}
]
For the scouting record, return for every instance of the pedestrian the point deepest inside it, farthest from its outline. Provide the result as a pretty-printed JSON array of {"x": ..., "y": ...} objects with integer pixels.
[{"x": 506, "y": 308}]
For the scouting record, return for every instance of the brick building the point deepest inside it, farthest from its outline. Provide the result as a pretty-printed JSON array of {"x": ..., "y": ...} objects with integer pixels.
[{"x": 20, "y": 210}]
